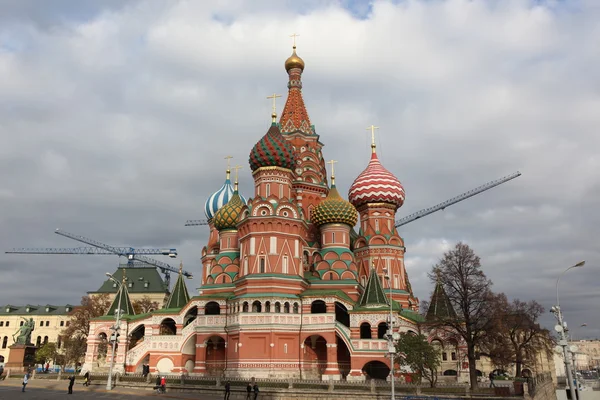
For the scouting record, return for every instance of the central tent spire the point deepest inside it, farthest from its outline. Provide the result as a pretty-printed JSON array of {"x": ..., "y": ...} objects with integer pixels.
[{"x": 294, "y": 116}]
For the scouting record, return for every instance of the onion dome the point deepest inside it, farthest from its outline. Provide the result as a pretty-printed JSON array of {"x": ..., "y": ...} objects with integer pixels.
[
  {"x": 273, "y": 150},
  {"x": 376, "y": 185},
  {"x": 227, "y": 216},
  {"x": 219, "y": 198},
  {"x": 294, "y": 61},
  {"x": 334, "y": 209}
]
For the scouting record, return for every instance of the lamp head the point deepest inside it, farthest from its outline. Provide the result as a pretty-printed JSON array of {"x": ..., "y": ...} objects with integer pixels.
[
  {"x": 108, "y": 274},
  {"x": 580, "y": 264}
]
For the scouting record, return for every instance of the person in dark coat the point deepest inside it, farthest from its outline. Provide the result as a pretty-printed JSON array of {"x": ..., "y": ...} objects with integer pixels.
[
  {"x": 71, "y": 383},
  {"x": 157, "y": 387},
  {"x": 227, "y": 390},
  {"x": 86, "y": 379},
  {"x": 491, "y": 376},
  {"x": 248, "y": 391},
  {"x": 256, "y": 391}
]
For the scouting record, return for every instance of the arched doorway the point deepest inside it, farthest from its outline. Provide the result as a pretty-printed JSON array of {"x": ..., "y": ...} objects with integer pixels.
[
  {"x": 376, "y": 370},
  {"x": 190, "y": 316},
  {"x": 365, "y": 330},
  {"x": 137, "y": 336},
  {"x": 314, "y": 356},
  {"x": 343, "y": 357},
  {"x": 318, "y": 307},
  {"x": 215, "y": 355},
  {"x": 341, "y": 314},
  {"x": 450, "y": 372},
  {"x": 102, "y": 346},
  {"x": 143, "y": 361},
  {"x": 168, "y": 327}
]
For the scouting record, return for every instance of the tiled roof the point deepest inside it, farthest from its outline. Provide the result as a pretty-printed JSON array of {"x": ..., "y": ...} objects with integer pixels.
[
  {"x": 324, "y": 293},
  {"x": 272, "y": 150},
  {"x": 439, "y": 306},
  {"x": 373, "y": 296},
  {"x": 121, "y": 301},
  {"x": 179, "y": 296},
  {"x": 29, "y": 309},
  {"x": 143, "y": 280}
]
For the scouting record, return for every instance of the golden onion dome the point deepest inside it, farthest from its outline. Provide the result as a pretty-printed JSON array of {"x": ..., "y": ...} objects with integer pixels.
[
  {"x": 294, "y": 61},
  {"x": 334, "y": 209},
  {"x": 226, "y": 218}
]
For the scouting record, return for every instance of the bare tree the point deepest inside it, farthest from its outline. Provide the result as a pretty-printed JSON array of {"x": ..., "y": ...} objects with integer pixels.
[
  {"x": 145, "y": 305},
  {"x": 516, "y": 337},
  {"x": 468, "y": 291}
]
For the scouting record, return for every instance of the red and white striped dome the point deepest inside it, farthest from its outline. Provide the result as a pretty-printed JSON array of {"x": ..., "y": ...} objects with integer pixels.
[{"x": 376, "y": 185}]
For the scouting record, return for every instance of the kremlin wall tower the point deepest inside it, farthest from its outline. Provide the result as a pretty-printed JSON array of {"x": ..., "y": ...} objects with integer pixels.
[{"x": 297, "y": 281}]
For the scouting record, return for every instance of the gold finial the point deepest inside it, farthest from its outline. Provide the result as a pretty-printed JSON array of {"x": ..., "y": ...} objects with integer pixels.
[
  {"x": 332, "y": 162},
  {"x": 294, "y": 36},
  {"x": 228, "y": 158},
  {"x": 372, "y": 129},
  {"x": 274, "y": 113},
  {"x": 235, "y": 184},
  {"x": 124, "y": 276},
  {"x": 180, "y": 267},
  {"x": 373, "y": 263},
  {"x": 438, "y": 273}
]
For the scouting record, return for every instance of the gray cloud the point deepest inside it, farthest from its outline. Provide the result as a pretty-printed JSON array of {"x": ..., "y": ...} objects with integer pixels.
[{"x": 115, "y": 120}]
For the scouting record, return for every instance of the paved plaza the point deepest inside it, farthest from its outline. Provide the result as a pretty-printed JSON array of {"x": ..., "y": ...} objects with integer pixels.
[{"x": 41, "y": 391}]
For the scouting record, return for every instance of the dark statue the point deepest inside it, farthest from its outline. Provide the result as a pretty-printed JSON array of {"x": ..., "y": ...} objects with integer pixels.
[{"x": 24, "y": 333}]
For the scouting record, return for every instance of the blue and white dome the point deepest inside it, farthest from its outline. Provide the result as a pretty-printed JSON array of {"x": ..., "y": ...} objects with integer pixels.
[{"x": 220, "y": 198}]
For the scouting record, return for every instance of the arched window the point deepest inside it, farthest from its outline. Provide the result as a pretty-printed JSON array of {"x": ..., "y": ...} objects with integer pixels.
[
  {"x": 268, "y": 306},
  {"x": 262, "y": 265},
  {"x": 318, "y": 307},
  {"x": 256, "y": 306},
  {"x": 212, "y": 308},
  {"x": 286, "y": 308},
  {"x": 296, "y": 308},
  {"x": 38, "y": 341},
  {"x": 382, "y": 330},
  {"x": 59, "y": 342},
  {"x": 45, "y": 339},
  {"x": 365, "y": 330},
  {"x": 277, "y": 307},
  {"x": 245, "y": 307}
]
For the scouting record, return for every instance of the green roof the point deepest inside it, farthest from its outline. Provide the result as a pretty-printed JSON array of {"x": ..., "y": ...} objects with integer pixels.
[
  {"x": 139, "y": 280},
  {"x": 373, "y": 295},
  {"x": 440, "y": 306},
  {"x": 221, "y": 295},
  {"x": 36, "y": 310},
  {"x": 412, "y": 315},
  {"x": 323, "y": 293},
  {"x": 179, "y": 296},
  {"x": 121, "y": 301}
]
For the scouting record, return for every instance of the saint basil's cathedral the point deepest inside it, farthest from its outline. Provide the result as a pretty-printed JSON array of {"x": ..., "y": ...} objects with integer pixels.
[{"x": 289, "y": 287}]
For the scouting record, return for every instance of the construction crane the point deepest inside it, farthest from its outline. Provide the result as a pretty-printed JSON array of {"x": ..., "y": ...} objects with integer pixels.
[
  {"x": 420, "y": 214},
  {"x": 135, "y": 257},
  {"x": 424, "y": 212},
  {"x": 196, "y": 222}
]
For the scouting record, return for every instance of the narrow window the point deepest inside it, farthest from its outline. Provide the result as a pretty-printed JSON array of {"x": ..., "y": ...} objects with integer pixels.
[
  {"x": 268, "y": 190},
  {"x": 389, "y": 225},
  {"x": 396, "y": 282},
  {"x": 246, "y": 266},
  {"x": 280, "y": 191},
  {"x": 262, "y": 265},
  {"x": 41, "y": 323},
  {"x": 7, "y": 323},
  {"x": 1, "y": 323},
  {"x": 228, "y": 243},
  {"x": 285, "y": 348},
  {"x": 284, "y": 267},
  {"x": 332, "y": 237},
  {"x": 453, "y": 356},
  {"x": 444, "y": 356},
  {"x": 376, "y": 225},
  {"x": 47, "y": 323},
  {"x": 4, "y": 342}
]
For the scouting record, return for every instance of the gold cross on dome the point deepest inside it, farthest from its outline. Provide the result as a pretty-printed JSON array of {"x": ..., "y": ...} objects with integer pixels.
[
  {"x": 332, "y": 162},
  {"x": 237, "y": 168},
  {"x": 372, "y": 129},
  {"x": 274, "y": 97},
  {"x": 228, "y": 158},
  {"x": 294, "y": 36}
]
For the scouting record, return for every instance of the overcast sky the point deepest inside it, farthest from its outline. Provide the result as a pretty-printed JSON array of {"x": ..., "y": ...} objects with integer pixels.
[{"x": 115, "y": 117}]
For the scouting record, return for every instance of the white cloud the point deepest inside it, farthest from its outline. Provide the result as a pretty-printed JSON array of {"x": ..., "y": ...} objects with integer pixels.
[{"x": 115, "y": 125}]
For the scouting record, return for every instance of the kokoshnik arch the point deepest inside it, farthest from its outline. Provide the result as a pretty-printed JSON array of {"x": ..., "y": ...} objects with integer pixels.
[{"x": 289, "y": 288}]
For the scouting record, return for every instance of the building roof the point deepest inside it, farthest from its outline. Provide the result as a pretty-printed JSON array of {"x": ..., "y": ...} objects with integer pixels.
[
  {"x": 179, "y": 296},
  {"x": 122, "y": 301},
  {"x": 373, "y": 296},
  {"x": 29, "y": 309},
  {"x": 440, "y": 307},
  {"x": 139, "y": 280}
]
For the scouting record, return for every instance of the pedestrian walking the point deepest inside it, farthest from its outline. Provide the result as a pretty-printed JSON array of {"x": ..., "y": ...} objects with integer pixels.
[
  {"x": 256, "y": 391},
  {"x": 25, "y": 381},
  {"x": 248, "y": 391},
  {"x": 71, "y": 383},
  {"x": 227, "y": 390},
  {"x": 163, "y": 384},
  {"x": 492, "y": 380}
]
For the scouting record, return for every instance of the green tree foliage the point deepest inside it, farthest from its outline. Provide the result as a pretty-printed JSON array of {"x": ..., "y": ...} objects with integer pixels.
[
  {"x": 46, "y": 353},
  {"x": 469, "y": 293},
  {"x": 420, "y": 356}
]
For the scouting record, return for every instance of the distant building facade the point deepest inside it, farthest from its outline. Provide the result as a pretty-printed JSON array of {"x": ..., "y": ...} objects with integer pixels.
[{"x": 49, "y": 321}]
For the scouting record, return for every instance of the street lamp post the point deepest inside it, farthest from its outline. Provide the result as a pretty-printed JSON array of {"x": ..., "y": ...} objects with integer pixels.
[
  {"x": 561, "y": 329},
  {"x": 115, "y": 328},
  {"x": 392, "y": 337}
]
